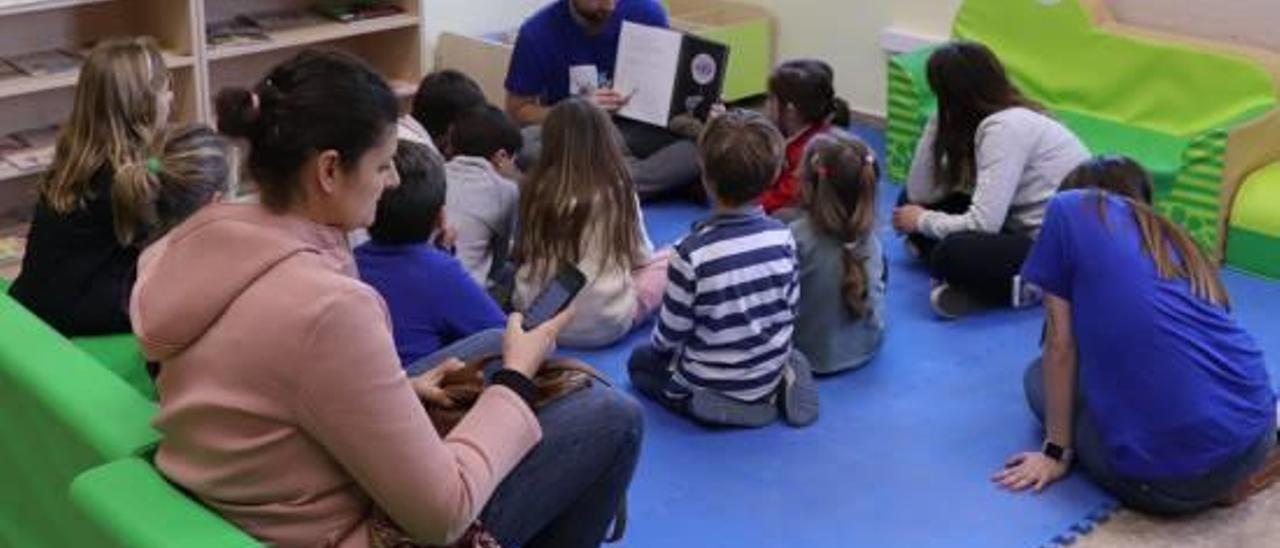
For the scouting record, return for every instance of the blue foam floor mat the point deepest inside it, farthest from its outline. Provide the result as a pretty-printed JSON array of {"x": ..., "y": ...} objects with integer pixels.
[{"x": 903, "y": 449}]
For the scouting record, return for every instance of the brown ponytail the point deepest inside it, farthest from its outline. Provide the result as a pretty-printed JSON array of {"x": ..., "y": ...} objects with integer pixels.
[
  {"x": 840, "y": 177},
  {"x": 1174, "y": 252}
]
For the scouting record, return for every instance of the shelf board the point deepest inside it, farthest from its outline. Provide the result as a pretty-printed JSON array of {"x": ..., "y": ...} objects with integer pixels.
[
  {"x": 7, "y": 176},
  {"x": 315, "y": 34},
  {"x": 31, "y": 6},
  {"x": 35, "y": 84}
]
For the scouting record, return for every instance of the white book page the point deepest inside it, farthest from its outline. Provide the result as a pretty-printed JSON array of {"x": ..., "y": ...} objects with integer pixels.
[{"x": 646, "y": 71}]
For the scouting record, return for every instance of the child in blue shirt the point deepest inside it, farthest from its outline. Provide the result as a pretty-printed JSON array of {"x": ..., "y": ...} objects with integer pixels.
[{"x": 432, "y": 300}]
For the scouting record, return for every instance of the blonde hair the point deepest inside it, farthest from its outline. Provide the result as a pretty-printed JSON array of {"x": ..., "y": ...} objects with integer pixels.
[
  {"x": 840, "y": 176},
  {"x": 113, "y": 117},
  {"x": 579, "y": 189}
]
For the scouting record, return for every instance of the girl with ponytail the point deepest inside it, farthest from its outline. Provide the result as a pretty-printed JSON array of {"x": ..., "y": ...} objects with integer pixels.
[
  {"x": 94, "y": 212},
  {"x": 1146, "y": 378},
  {"x": 802, "y": 102},
  {"x": 840, "y": 320}
]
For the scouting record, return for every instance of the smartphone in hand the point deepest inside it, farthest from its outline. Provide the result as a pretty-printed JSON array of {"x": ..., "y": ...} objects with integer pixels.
[{"x": 555, "y": 298}]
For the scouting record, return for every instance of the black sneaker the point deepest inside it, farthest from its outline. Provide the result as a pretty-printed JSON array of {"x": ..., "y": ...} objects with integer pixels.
[{"x": 952, "y": 303}]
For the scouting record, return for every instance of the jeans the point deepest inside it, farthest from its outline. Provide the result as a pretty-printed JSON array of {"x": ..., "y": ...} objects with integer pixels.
[
  {"x": 479, "y": 345},
  {"x": 1167, "y": 496},
  {"x": 659, "y": 161},
  {"x": 565, "y": 493},
  {"x": 979, "y": 263}
]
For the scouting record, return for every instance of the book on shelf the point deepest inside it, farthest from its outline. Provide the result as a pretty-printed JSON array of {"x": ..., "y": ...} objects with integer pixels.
[
  {"x": 43, "y": 63},
  {"x": 284, "y": 19},
  {"x": 27, "y": 151},
  {"x": 8, "y": 71},
  {"x": 350, "y": 11},
  {"x": 238, "y": 30},
  {"x": 11, "y": 249},
  {"x": 38, "y": 137}
]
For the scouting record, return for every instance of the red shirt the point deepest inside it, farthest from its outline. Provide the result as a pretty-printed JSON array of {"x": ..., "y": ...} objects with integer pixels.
[{"x": 785, "y": 192}]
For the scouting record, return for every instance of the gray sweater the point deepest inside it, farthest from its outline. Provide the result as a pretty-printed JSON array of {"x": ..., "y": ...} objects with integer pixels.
[
  {"x": 482, "y": 205},
  {"x": 826, "y": 330},
  {"x": 1022, "y": 158}
]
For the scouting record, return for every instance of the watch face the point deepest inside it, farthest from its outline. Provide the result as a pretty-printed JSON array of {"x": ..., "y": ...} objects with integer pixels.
[{"x": 1053, "y": 451}]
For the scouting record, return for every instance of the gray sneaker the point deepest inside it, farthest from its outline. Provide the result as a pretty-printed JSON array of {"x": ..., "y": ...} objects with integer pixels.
[
  {"x": 799, "y": 396},
  {"x": 952, "y": 303}
]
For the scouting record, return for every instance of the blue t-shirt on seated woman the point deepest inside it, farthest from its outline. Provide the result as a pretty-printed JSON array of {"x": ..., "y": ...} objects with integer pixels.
[
  {"x": 1173, "y": 383},
  {"x": 432, "y": 300},
  {"x": 554, "y": 51}
]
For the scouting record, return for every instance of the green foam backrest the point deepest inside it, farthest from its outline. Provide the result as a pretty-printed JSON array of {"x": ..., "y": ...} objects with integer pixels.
[{"x": 1057, "y": 55}]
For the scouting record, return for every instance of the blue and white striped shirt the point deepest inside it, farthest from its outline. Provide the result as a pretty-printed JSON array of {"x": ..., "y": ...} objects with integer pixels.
[{"x": 730, "y": 304}]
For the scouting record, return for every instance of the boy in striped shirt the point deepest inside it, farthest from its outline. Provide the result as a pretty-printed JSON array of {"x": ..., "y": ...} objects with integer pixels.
[{"x": 722, "y": 351}]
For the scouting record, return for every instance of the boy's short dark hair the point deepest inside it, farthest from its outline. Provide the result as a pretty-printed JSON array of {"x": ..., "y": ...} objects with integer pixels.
[
  {"x": 407, "y": 213},
  {"x": 741, "y": 152},
  {"x": 483, "y": 131},
  {"x": 442, "y": 97}
]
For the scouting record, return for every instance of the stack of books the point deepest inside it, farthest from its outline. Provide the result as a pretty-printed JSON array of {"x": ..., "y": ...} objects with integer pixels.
[
  {"x": 39, "y": 63},
  {"x": 256, "y": 27},
  {"x": 27, "y": 152}
]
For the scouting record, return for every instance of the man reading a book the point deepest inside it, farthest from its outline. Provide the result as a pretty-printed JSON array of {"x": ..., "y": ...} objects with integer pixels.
[{"x": 569, "y": 48}]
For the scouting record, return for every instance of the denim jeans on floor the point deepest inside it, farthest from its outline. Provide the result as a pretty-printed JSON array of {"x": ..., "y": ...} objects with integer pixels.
[
  {"x": 1170, "y": 496},
  {"x": 651, "y": 375},
  {"x": 565, "y": 493}
]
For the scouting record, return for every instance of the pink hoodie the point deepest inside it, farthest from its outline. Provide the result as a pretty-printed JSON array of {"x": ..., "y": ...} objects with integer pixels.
[{"x": 282, "y": 402}]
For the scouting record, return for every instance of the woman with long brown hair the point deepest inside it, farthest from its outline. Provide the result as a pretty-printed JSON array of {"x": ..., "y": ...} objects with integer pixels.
[
  {"x": 840, "y": 319},
  {"x": 579, "y": 206},
  {"x": 984, "y": 169},
  {"x": 96, "y": 205},
  {"x": 1146, "y": 378}
]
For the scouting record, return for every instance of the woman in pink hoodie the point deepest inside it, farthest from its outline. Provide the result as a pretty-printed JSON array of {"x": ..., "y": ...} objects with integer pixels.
[{"x": 282, "y": 401}]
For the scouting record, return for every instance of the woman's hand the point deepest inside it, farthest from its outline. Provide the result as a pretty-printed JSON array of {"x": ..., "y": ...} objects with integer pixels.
[
  {"x": 525, "y": 351},
  {"x": 1030, "y": 469},
  {"x": 427, "y": 385},
  {"x": 906, "y": 219}
]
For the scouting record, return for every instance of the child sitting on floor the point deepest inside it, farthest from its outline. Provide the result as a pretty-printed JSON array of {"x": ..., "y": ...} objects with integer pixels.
[
  {"x": 722, "y": 350},
  {"x": 483, "y": 199},
  {"x": 432, "y": 301},
  {"x": 802, "y": 102},
  {"x": 841, "y": 318}
]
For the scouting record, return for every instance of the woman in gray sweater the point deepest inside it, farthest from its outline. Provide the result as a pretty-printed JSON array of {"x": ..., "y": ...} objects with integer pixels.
[
  {"x": 984, "y": 170},
  {"x": 840, "y": 319}
]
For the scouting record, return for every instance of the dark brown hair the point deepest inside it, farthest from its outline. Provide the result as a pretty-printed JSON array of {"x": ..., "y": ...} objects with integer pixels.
[
  {"x": 840, "y": 176},
  {"x": 808, "y": 85},
  {"x": 578, "y": 194},
  {"x": 741, "y": 152},
  {"x": 970, "y": 84},
  {"x": 316, "y": 101},
  {"x": 1174, "y": 252}
]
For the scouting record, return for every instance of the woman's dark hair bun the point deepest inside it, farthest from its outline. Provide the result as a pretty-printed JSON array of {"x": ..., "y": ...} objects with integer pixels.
[{"x": 237, "y": 112}]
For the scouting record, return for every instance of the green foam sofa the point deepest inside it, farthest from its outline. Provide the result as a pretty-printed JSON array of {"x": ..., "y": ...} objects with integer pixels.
[
  {"x": 1173, "y": 106},
  {"x": 1253, "y": 240}
]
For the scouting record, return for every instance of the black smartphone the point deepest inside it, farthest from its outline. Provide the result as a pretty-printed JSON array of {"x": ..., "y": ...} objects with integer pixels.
[{"x": 556, "y": 297}]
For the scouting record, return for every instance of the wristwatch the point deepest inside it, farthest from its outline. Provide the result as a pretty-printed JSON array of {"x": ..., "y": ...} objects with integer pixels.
[{"x": 1056, "y": 452}]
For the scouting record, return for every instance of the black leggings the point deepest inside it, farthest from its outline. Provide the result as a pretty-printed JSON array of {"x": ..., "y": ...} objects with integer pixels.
[{"x": 981, "y": 264}]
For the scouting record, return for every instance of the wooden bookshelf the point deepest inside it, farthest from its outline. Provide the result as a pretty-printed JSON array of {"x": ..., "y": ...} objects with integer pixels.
[{"x": 392, "y": 44}]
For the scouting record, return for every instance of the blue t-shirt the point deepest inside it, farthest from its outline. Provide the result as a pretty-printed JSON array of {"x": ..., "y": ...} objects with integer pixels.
[
  {"x": 433, "y": 302},
  {"x": 552, "y": 45},
  {"x": 1173, "y": 383}
]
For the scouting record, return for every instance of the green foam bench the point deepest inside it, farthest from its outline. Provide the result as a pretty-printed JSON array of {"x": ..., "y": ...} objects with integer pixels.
[
  {"x": 1253, "y": 239},
  {"x": 131, "y": 505},
  {"x": 1170, "y": 105},
  {"x": 64, "y": 413}
]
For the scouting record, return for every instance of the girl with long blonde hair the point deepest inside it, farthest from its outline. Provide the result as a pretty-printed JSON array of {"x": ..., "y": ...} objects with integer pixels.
[
  {"x": 580, "y": 207},
  {"x": 96, "y": 205}
]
